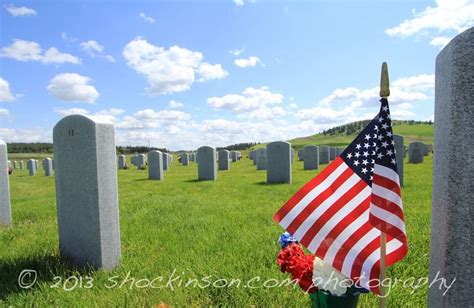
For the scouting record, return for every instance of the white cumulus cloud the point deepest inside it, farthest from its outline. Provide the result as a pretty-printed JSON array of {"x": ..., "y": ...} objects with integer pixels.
[
  {"x": 146, "y": 18},
  {"x": 102, "y": 116},
  {"x": 169, "y": 70},
  {"x": 211, "y": 71},
  {"x": 73, "y": 87},
  {"x": 94, "y": 49},
  {"x": 237, "y": 52},
  {"x": 175, "y": 104},
  {"x": 408, "y": 89},
  {"x": 447, "y": 16},
  {"x": 20, "y": 11},
  {"x": 25, "y": 51},
  {"x": 5, "y": 93},
  {"x": 253, "y": 102},
  {"x": 440, "y": 41},
  {"x": 150, "y": 118},
  {"x": 4, "y": 113},
  {"x": 247, "y": 62}
]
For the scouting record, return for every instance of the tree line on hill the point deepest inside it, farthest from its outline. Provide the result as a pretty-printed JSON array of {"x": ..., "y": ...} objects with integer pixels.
[
  {"x": 43, "y": 147},
  {"x": 356, "y": 127},
  {"x": 238, "y": 146}
]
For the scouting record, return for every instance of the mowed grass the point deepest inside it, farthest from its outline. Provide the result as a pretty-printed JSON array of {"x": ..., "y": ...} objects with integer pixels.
[{"x": 215, "y": 232}]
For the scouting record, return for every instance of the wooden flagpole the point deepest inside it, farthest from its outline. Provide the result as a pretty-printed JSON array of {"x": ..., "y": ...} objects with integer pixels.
[{"x": 384, "y": 93}]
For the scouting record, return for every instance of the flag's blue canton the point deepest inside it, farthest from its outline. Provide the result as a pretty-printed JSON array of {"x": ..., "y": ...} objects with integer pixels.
[{"x": 374, "y": 144}]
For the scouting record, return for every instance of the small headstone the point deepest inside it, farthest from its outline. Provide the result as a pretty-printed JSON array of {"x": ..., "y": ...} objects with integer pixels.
[
  {"x": 134, "y": 159},
  {"x": 155, "y": 165},
  {"x": 311, "y": 157},
  {"x": 122, "y": 161},
  {"x": 140, "y": 161},
  {"x": 261, "y": 159},
  {"x": 252, "y": 154},
  {"x": 185, "y": 159},
  {"x": 300, "y": 155},
  {"x": 86, "y": 192},
  {"x": 416, "y": 151},
  {"x": 323, "y": 154},
  {"x": 166, "y": 161},
  {"x": 428, "y": 148},
  {"x": 224, "y": 160},
  {"x": 22, "y": 165},
  {"x": 332, "y": 153},
  {"x": 452, "y": 220},
  {"x": 234, "y": 155},
  {"x": 15, "y": 164},
  {"x": 207, "y": 164},
  {"x": 48, "y": 166},
  {"x": 31, "y": 165},
  {"x": 399, "y": 149},
  {"x": 278, "y": 162},
  {"x": 5, "y": 207}
]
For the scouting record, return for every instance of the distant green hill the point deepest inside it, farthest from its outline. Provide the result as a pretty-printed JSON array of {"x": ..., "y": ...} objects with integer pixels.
[{"x": 344, "y": 134}]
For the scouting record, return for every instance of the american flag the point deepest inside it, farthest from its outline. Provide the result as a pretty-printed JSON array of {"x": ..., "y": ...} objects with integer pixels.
[{"x": 340, "y": 213}]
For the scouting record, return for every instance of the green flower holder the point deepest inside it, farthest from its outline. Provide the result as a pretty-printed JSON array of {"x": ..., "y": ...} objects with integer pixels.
[{"x": 323, "y": 299}]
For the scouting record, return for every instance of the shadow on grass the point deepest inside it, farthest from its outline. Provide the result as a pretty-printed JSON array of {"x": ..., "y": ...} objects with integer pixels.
[
  {"x": 141, "y": 180},
  {"x": 32, "y": 270},
  {"x": 194, "y": 181},
  {"x": 263, "y": 183}
]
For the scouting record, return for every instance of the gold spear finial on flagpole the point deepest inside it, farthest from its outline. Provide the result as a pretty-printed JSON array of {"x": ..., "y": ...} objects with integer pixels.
[
  {"x": 384, "y": 83},
  {"x": 384, "y": 93}
]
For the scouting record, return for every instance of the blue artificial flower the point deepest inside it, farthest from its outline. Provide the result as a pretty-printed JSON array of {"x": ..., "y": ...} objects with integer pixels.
[{"x": 286, "y": 239}]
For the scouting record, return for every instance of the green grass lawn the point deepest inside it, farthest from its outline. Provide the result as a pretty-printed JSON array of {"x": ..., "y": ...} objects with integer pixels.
[{"x": 220, "y": 230}]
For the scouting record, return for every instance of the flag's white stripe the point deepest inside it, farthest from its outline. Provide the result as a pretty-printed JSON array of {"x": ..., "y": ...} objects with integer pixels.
[
  {"x": 309, "y": 221},
  {"x": 338, "y": 216},
  {"x": 344, "y": 235},
  {"x": 372, "y": 259},
  {"x": 357, "y": 248},
  {"x": 389, "y": 217},
  {"x": 386, "y": 172},
  {"x": 298, "y": 208},
  {"x": 388, "y": 194}
]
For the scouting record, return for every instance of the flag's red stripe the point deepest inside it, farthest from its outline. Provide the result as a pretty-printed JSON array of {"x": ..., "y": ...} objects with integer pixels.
[
  {"x": 331, "y": 211},
  {"x": 387, "y": 205},
  {"x": 396, "y": 255},
  {"x": 340, "y": 227},
  {"x": 375, "y": 274},
  {"x": 390, "y": 259},
  {"x": 349, "y": 243},
  {"x": 387, "y": 228},
  {"x": 387, "y": 183},
  {"x": 362, "y": 256},
  {"x": 296, "y": 223},
  {"x": 293, "y": 201}
]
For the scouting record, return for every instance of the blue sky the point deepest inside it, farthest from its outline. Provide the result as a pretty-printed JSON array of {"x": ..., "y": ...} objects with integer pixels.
[{"x": 180, "y": 74}]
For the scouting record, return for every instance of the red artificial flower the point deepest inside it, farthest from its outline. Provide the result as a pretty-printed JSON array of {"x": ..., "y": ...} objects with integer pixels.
[
  {"x": 287, "y": 256},
  {"x": 293, "y": 260}
]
